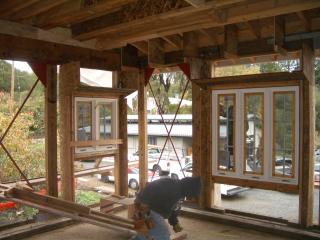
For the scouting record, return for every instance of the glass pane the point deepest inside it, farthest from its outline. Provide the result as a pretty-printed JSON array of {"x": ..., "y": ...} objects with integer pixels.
[
  {"x": 105, "y": 113},
  {"x": 226, "y": 157},
  {"x": 84, "y": 121},
  {"x": 283, "y": 133},
  {"x": 253, "y": 123}
]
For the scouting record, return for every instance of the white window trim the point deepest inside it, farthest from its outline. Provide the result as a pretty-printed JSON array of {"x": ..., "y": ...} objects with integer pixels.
[
  {"x": 268, "y": 135},
  {"x": 95, "y": 119}
]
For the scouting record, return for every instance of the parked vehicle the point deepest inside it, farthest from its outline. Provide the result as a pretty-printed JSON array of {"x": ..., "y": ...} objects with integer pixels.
[
  {"x": 133, "y": 177},
  {"x": 226, "y": 190}
]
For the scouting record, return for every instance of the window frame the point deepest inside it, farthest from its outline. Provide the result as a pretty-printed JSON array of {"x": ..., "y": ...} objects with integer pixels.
[
  {"x": 95, "y": 101},
  {"x": 220, "y": 176}
]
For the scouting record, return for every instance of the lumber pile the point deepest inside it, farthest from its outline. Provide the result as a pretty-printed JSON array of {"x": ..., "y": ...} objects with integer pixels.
[{"x": 69, "y": 209}]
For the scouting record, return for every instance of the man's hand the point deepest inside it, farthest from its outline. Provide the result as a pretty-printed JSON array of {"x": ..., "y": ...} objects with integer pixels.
[{"x": 177, "y": 228}]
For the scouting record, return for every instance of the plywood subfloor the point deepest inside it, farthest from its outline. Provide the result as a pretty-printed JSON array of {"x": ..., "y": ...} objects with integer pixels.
[{"x": 196, "y": 230}]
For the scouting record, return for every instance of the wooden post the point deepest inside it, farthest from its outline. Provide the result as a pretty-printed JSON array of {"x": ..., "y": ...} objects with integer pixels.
[
  {"x": 143, "y": 140},
  {"x": 69, "y": 78},
  {"x": 201, "y": 130},
  {"x": 51, "y": 130},
  {"x": 121, "y": 164},
  {"x": 308, "y": 136}
]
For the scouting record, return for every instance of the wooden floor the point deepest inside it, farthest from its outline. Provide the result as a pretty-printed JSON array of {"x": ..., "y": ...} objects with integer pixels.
[{"x": 196, "y": 230}]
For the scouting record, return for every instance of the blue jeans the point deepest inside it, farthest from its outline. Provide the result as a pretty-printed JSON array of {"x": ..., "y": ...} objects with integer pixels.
[{"x": 160, "y": 231}]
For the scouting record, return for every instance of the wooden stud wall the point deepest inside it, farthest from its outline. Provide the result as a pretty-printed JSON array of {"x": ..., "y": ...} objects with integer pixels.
[
  {"x": 308, "y": 136},
  {"x": 69, "y": 78},
  {"x": 51, "y": 130},
  {"x": 143, "y": 139}
]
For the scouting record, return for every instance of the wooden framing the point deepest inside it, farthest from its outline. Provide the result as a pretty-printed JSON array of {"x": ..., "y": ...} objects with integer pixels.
[
  {"x": 78, "y": 33},
  {"x": 121, "y": 166},
  {"x": 143, "y": 131},
  {"x": 308, "y": 136},
  {"x": 51, "y": 130},
  {"x": 69, "y": 78}
]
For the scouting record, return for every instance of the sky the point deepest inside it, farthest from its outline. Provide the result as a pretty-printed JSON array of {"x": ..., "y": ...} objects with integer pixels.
[{"x": 22, "y": 66}]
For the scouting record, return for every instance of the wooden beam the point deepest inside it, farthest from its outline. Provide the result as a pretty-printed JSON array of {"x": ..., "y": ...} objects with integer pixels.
[
  {"x": 143, "y": 131},
  {"x": 30, "y": 32},
  {"x": 129, "y": 57},
  {"x": 51, "y": 131},
  {"x": 89, "y": 91},
  {"x": 121, "y": 167},
  {"x": 76, "y": 11},
  {"x": 151, "y": 27},
  {"x": 156, "y": 56},
  {"x": 30, "y": 50},
  {"x": 94, "y": 143},
  {"x": 230, "y": 41},
  {"x": 69, "y": 77},
  {"x": 195, "y": 3},
  {"x": 8, "y": 7},
  {"x": 294, "y": 77},
  {"x": 35, "y": 9},
  {"x": 174, "y": 40},
  {"x": 255, "y": 28},
  {"x": 305, "y": 19},
  {"x": 190, "y": 44},
  {"x": 308, "y": 136},
  {"x": 141, "y": 46},
  {"x": 211, "y": 34},
  {"x": 279, "y": 35}
]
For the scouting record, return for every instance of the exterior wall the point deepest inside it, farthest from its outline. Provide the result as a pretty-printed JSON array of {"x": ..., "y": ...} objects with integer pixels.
[{"x": 181, "y": 144}]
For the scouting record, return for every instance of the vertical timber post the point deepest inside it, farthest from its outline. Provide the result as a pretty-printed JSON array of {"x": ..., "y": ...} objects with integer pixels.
[
  {"x": 308, "y": 135},
  {"x": 69, "y": 78},
  {"x": 51, "y": 130},
  {"x": 143, "y": 140}
]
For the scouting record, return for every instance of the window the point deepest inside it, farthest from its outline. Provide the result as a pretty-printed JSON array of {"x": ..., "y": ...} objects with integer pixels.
[
  {"x": 226, "y": 154},
  {"x": 254, "y": 134},
  {"x": 95, "y": 119},
  {"x": 283, "y": 134}
]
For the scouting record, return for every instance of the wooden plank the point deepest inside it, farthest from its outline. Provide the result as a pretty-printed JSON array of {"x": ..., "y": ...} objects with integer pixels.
[
  {"x": 141, "y": 46},
  {"x": 35, "y": 9},
  {"x": 69, "y": 77},
  {"x": 129, "y": 57},
  {"x": 30, "y": 32},
  {"x": 308, "y": 136},
  {"x": 174, "y": 40},
  {"x": 122, "y": 165},
  {"x": 305, "y": 19},
  {"x": 47, "y": 201},
  {"x": 251, "y": 78},
  {"x": 51, "y": 131},
  {"x": 75, "y": 11},
  {"x": 102, "y": 222},
  {"x": 30, "y": 50},
  {"x": 190, "y": 44},
  {"x": 92, "y": 155},
  {"x": 255, "y": 28},
  {"x": 279, "y": 35},
  {"x": 8, "y": 7},
  {"x": 151, "y": 27},
  {"x": 89, "y": 91},
  {"x": 143, "y": 131},
  {"x": 282, "y": 187},
  {"x": 156, "y": 57},
  {"x": 195, "y": 3},
  {"x": 95, "y": 142},
  {"x": 230, "y": 41}
]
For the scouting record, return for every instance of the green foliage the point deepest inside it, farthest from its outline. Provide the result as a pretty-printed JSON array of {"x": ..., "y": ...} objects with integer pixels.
[
  {"x": 237, "y": 70},
  {"x": 318, "y": 109},
  {"x": 170, "y": 85},
  {"x": 317, "y": 73},
  {"x": 28, "y": 153},
  {"x": 280, "y": 66},
  {"x": 87, "y": 198},
  {"x": 21, "y": 213}
]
